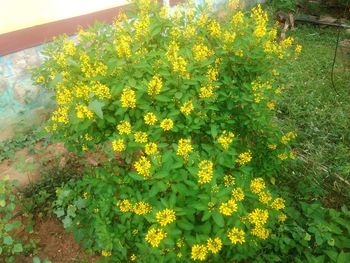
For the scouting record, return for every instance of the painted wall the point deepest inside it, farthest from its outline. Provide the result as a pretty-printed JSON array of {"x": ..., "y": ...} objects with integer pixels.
[{"x": 18, "y": 14}]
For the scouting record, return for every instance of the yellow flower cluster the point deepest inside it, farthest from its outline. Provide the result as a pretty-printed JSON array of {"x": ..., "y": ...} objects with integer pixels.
[
  {"x": 151, "y": 148},
  {"x": 199, "y": 252},
  {"x": 225, "y": 139},
  {"x": 214, "y": 29},
  {"x": 154, "y": 236},
  {"x": 60, "y": 115},
  {"x": 143, "y": 166},
  {"x": 165, "y": 217},
  {"x": 236, "y": 236},
  {"x": 123, "y": 44},
  {"x": 201, "y": 52},
  {"x": 260, "y": 18},
  {"x": 83, "y": 112},
  {"x": 124, "y": 127},
  {"x": 206, "y": 92},
  {"x": 244, "y": 158},
  {"x": 288, "y": 137},
  {"x": 265, "y": 197},
  {"x": 257, "y": 185},
  {"x": 214, "y": 245},
  {"x": 142, "y": 208},
  {"x": 278, "y": 204},
  {"x": 142, "y": 26},
  {"x": 228, "y": 208},
  {"x": 150, "y": 118},
  {"x": 258, "y": 218},
  {"x": 140, "y": 137},
  {"x": 237, "y": 194},
  {"x": 167, "y": 124},
  {"x": 205, "y": 171},
  {"x": 212, "y": 73},
  {"x": 187, "y": 108},
  {"x": 184, "y": 148},
  {"x": 118, "y": 145},
  {"x": 106, "y": 253},
  {"x": 237, "y": 19},
  {"x": 178, "y": 63},
  {"x": 125, "y": 206},
  {"x": 229, "y": 180},
  {"x": 154, "y": 86},
  {"x": 128, "y": 98}
]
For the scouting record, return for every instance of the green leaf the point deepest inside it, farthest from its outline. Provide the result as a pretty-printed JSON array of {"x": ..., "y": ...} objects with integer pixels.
[
  {"x": 36, "y": 260},
  {"x": 96, "y": 107},
  {"x": 8, "y": 240},
  {"x": 18, "y": 248},
  {"x": 218, "y": 219},
  {"x": 343, "y": 257}
]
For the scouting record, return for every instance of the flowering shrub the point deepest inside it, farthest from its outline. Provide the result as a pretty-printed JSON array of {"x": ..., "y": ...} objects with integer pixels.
[{"x": 183, "y": 107}]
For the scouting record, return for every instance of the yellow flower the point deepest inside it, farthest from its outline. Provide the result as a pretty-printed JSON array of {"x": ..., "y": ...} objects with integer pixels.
[
  {"x": 154, "y": 86},
  {"x": 237, "y": 194},
  {"x": 154, "y": 236},
  {"x": 133, "y": 257},
  {"x": 260, "y": 232},
  {"x": 282, "y": 217},
  {"x": 184, "y": 148},
  {"x": 143, "y": 166},
  {"x": 298, "y": 49},
  {"x": 106, "y": 253},
  {"x": 282, "y": 156},
  {"x": 151, "y": 148},
  {"x": 237, "y": 19},
  {"x": 85, "y": 195},
  {"x": 142, "y": 208},
  {"x": 205, "y": 171},
  {"x": 228, "y": 208},
  {"x": 229, "y": 180},
  {"x": 165, "y": 217},
  {"x": 128, "y": 98},
  {"x": 236, "y": 236},
  {"x": 288, "y": 137},
  {"x": 244, "y": 158},
  {"x": 257, "y": 185},
  {"x": 123, "y": 46},
  {"x": 212, "y": 74},
  {"x": 201, "y": 52},
  {"x": 258, "y": 217},
  {"x": 214, "y": 245},
  {"x": 88, "y": 137},
  {"x": 265, "y": 197},
  {"x": 278, "y": 203},
  {"x": 140, "y": 137},
  {"x": 271, "y": 105},
  {"x": 272, "y": 146},
  {"x": 187, "y": 108},
  {"x": 199, "y": 252},
  {"x": 167, "y": 124},
  {"x": 118, "y": 145},
  {"x": 225, "y": 139},
  {"x": 125, "y": 205},
  {"x": 83, "y": 112},
  {"x": 206, "y": 92},
  {"x": 124, "y": 127},
  {"x": 150, "y": 118},
  {"x": 214, "y": 29}
]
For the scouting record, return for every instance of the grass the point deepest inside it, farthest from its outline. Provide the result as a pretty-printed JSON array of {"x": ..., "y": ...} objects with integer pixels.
[{"x": 320, "y": 115}]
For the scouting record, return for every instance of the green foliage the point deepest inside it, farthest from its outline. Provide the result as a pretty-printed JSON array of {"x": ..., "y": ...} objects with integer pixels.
[
  {"x": 182, "y": 109},
  {"x": 37, "y": 198},
  {"x": 284, "y": 5},
  {"x": 10, "y": 245},
  {"x": 9, "y": 147}
]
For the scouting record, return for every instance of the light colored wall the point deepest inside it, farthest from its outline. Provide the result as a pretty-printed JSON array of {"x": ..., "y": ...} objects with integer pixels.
[{"x": 18, "y": 14}]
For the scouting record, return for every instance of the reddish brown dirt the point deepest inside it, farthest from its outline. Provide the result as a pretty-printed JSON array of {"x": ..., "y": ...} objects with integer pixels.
[{"x": 56, "y": 245}]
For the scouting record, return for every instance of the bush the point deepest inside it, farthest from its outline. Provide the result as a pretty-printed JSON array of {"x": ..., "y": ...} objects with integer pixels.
[
  {"x": 182, "y": 106},
  {"x": 10, "y": 245}
]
